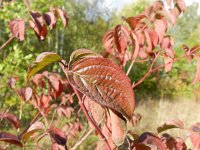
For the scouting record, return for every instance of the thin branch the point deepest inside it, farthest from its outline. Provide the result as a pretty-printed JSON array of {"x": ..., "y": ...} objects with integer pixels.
[
  {"x": 161, "y": 66},
  {"x": 130, "y": 67},
  {"x": 148, "y": 72},
  {"x": 7, "y": 42},
  {"x": 82, "y": 139}
]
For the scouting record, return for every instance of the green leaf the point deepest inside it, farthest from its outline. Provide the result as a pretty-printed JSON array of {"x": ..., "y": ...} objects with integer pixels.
[
  {"x": 41, "y": 61},
  {"x": 170, "y": 125}
]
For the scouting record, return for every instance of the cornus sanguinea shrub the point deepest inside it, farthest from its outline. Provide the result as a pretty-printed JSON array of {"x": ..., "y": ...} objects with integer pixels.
[{"x": 104, "y": 91}]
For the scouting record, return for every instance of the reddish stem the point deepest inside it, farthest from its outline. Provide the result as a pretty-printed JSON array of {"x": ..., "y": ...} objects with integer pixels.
[
  {"x": 7, "y": 42},
  {"x": 160, "y": 66}
]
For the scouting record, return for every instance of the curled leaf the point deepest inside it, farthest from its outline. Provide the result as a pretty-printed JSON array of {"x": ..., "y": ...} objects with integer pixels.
[
  {"x": 12, "y": 119},
  {"x": 58, "y": 135},
  {"x": 170, "y": 125},
  {"x": 108, "y": 41},
  {"x": 10, "y": 138},
  {"x": 41, "y": 61},
  {"x": 37, "y": 126}
]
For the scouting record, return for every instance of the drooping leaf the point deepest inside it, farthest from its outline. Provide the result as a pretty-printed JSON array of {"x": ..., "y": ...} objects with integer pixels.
[
  {"x": 108, "y": 41},
  {"x": 63, "y": 15},
  {"x": 96, "y": 111},
  {"x": 58, "y": 135},
  {"x": 10, "y": 138},
  {"x": 104, "y": 82},
  {"x": 135, "y": 44},
  {"x": 121, "y": 36},
  {"x": 153, "y": 36},
  {"x": 12, "y": 119},
  {"x": 170, "y": 125},
  {"x": 17, "y": 28},
  {"x": 160, "y": 26},
  {"x": 37, "y": 126},
  {"x": 195, "y": 136},
  {"x": 118, "y": 128},
  {"x": 151, "y": 140},
  {"x": 133, "y": 21},
  {"x": 41, "y": 61},
  {"x": 50, "y": 19}
]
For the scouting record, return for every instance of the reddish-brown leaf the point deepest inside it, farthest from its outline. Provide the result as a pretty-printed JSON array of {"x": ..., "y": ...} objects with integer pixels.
[
  {"x": 63, "y": 15},
  {"x": 118, "y": 128},
  {"x": 50, "y": 19},
  {"x": 135, "y": 44},
  {"x": 104, "y": 82},
  {"x": 121, "y": 36},
  {"x": 10, "y": 138},
  {"x": 37, "y": 126},
  {"x": 195, "y": 136},
  {"x": 38, "y": 80},
  {"x": 160, "y": 26},
  {"x": 96, "y": 111},
  {"x": 56, "y": 84},
  {"x": 180, "y": 4},
  {"x": 153, "y": 36},
  {"x": 17, "y": 28},
  {"x": 170, "y": 125},
  {"x": 58, "y": 135},
  {"x": 141, "y": 147},
  {"x": 44, "y": 101},
  {"x": 151, "y": 140},
  {"x": 12, "y": 119},
  {"x": 108, "y": 41},
  {"x": 133, "y": 21}
]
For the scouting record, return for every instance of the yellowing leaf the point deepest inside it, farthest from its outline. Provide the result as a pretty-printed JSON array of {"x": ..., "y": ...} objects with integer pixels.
[{"x": 41, "y": 61}]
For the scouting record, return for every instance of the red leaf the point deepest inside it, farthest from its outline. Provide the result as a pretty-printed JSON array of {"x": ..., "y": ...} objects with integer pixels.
[
  {"x": 96, "y": 111},
  {"x": 142, "y": 54},
  {"x": 58, "y": 135},
  {"x": 44, "y": 101},
  {"x": 170, "y": 125},
  {"x": 180, "y": 4},
  {"x": 172, "y": 15},
  {"x": 12, "y": 119},
  {"x": 37, "y": 23},
  {"x": 141, "y": 147},
  {"x": 195, "y": 136},
  {"x": 56, "y": 84},
  {"x": 133, "y": 21},
  {"x": 38, "y": 80},
  {"x": 108, "y": 41},
  {"x": 37, "y": 126},
  {"x": 151, "y": 140},
  {"x": 104, "y": 82},
  {"x": 50, "y": 19},
  {"x": 135, "y": 44},
  {"x": 197, "y": 75},
  {"x": 63, "y": 15},
  {"x": 153, "y": 36},
  {"x": 10, "y": 138},
  {"x": 160, "y": 26},
  {"x": 17, "y": 28},
  {"x": 121, "y": 36},
  {"x": 118, "y": 128},
  {"x": 148, "y": 43}
]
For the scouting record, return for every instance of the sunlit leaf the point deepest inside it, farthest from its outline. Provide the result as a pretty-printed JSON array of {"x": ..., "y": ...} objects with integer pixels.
[
  {"x": 104, "y": 82},
  {"x": 41, "y": 61},
  {"x": 108, "y": 41},
  {"x": 170, "y": 125},
  {"x": 10, "y": 138},
  {"x": 118, "y": 128}
]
